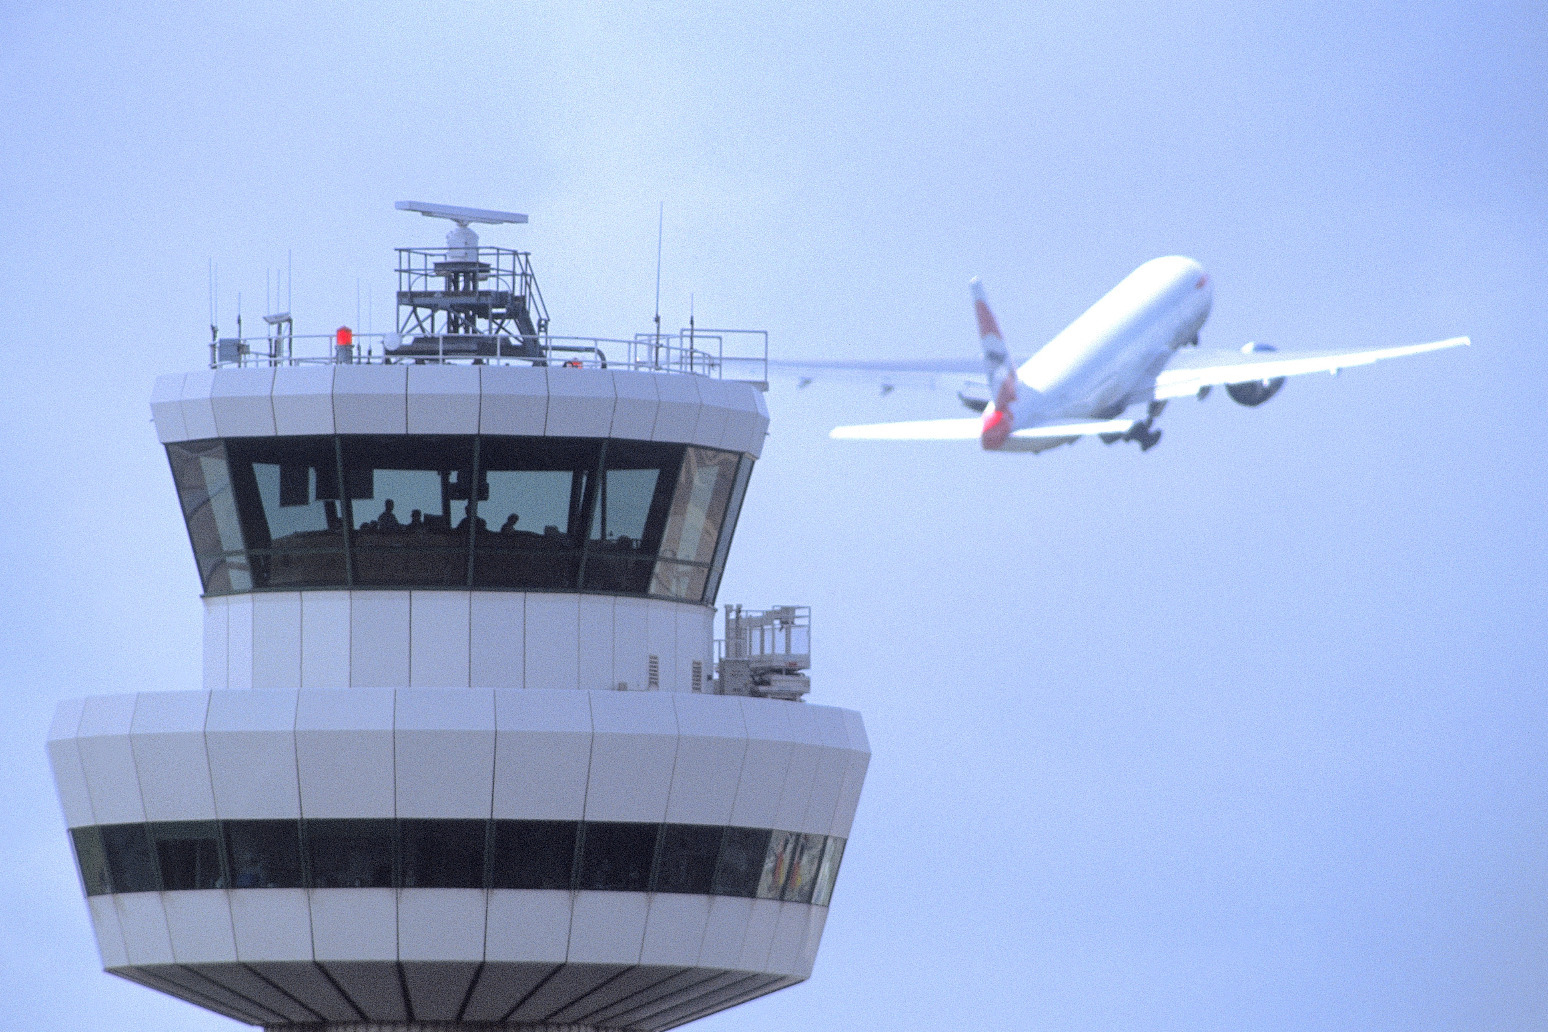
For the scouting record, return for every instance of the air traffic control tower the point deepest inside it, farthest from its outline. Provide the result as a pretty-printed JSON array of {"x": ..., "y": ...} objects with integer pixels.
[{"x": 467, "y": 753}]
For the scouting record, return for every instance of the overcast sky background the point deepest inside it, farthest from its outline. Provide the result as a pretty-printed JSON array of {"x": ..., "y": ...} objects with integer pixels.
[{"x": 1245, "y": 732}]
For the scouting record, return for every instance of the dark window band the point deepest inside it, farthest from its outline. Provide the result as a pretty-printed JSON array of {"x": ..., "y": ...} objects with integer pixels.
[
  {"x": 431, "y": 511},
  {"x": 458, "y": 854}
]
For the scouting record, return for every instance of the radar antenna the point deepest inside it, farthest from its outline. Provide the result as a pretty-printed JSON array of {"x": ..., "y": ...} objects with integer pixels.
[{"x": 462, "y": 242}]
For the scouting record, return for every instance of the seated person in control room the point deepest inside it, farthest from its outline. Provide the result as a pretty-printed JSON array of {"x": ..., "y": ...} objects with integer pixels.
[
  {"x": 416, "y": 522},
  {"x": 387, "y": 520},
  {"x": 509, "y": 526}
]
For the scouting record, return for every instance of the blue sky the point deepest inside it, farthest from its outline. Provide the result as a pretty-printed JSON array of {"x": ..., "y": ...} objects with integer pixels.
[{"x": 1242, "y": 732}]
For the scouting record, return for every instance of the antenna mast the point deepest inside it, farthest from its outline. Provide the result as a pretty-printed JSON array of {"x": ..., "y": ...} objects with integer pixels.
[{"x": 660, "y": 222}]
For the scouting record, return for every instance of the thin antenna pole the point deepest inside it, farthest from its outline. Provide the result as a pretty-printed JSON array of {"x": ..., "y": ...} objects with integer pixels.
[
  {"x": 660, "y": 224},
  {"x": 357, "y": 302},
  {"x": 210, "y": 282},
  {"x": 288, "y": 281}
]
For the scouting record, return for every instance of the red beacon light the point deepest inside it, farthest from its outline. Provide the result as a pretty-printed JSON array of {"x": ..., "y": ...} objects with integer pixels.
[{"x": 343, "y": 344}]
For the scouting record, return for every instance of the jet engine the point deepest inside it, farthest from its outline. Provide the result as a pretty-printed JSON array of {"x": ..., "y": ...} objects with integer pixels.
[{"x": 1255, "y": 392}]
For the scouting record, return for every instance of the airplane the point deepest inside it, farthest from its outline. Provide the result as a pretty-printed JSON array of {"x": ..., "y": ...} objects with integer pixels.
[{"x": 1137, "y": 346}]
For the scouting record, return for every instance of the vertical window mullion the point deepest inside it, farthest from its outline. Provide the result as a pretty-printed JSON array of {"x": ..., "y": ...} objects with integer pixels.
[{"x": 346, "y": 512}]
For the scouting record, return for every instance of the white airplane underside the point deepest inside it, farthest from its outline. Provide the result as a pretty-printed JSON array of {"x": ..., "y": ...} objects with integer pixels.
[{"x": 1131, "y": 348}]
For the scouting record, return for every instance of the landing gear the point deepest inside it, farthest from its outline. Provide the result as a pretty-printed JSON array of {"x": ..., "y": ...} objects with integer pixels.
[{"x": 1141, "y": 432}]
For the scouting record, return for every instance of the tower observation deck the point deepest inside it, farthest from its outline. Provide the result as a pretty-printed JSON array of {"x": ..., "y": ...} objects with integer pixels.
[{"x": 466, "y": 752}]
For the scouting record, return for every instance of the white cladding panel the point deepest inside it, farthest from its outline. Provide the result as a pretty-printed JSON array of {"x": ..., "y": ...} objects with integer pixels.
[
  {"x": 608, "y": 927},
  {"x": 595, "y": 661},
  {"x": 344, "y": 752},
  {"x": 634, "y": 743},
  {"x": 239, "y": 641},
  {"x": 167, "y": 737},
  {"x": 143, "y": 919},
  {"x": 497, "y": 635},
  {"x": 64, "y": 756},
  {"x": 631, "y": 646},
  {"x": 303, "y": 400},
  {"x": 804, "y": 756},
  {"x": 677, "y": 412},
  {"x": 107, "y": 759},
  {"x": 816, "y": 920},
  {"x": 441, "y": 924},
  {"x": 109, "y": 930},
  {"x": 859, "y": 759},
  {"x": 198, "y": 415},
  {"x": 716, "y": 400},
  {"x": 240, "y": 399},
  {"x": 277, "y": 639},
  {"x": 379, "y": 639},
  {"x": 745, "y": 422},
  {"x": 443, "y": 399},
  {"x": 199, "y": 923},
  {"x": 712, "y": 741},
  {"x": 444, "y": 752},
  {"x": 832, "y": 766},
  {"x": 674, "y": 929},
  {"x": 761, "y": 923},
  {"x": 167, "y": 408},
  {"x": 634, "y": 412},
  {"x": 552, "y": 657},
  {"x": 370, "y": 399},
  {"x": 661, "y": 642},
  {"x": 354, "y": 924},
  {"x": 250, "y": 737},
  {"x": 786, "y": 955},
  {"x": 325, "y": 618},
  {"x": 216, "y": 632},
  {"x": 439, "y": 639},
  {"x": 531, "y": 926},
  {"x": 542, "y": 754},
  {"x": 580, "y": 402},
  {"x": 725, "y": 929},
  {"x": 769, "y": 747},
  {"x": 514, "y": 400},
  {"x": 271, "y": 924}
]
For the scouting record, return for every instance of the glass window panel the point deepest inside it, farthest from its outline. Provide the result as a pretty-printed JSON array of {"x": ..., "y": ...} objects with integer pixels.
[
  {"x": 409, "y": 507},
  {"x": 740, "y": 866},
  {"x": 264, "y": 854},
  {"x": 131, "y": 864},
  {"x": 533, "y": 854},
  {"x": 350, "y": 854},
  {"x": 688, "y": 856},
  {"x": 679, "y": 580},
  {"x": 288, "y": 496},
  {"x": 633, "y": 499},
  {"x": 728, "y": 528},
  {"x": 443, "y": 854},
  {"x": 827, "y": 874},
  {"x": 92, "y": 860},
  {"x": 188, "y": 855},
  {"x": 803, "y": 869},
  {"x": 532, "y": 523},
  {"x": 204, "y": 488},
  {"x": 617, "y": 856},
  {"x": 698, "y": 504},
  {"x": 776, "y": 863}
]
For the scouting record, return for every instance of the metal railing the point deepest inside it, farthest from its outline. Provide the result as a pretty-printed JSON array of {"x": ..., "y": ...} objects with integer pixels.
[
  {"x": 764, "y": 651},
  {"x": 726, "y": 354}
]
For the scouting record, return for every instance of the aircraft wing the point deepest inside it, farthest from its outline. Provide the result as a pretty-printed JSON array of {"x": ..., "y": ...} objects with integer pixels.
[
  {"x": 887, "y": 374},
  {"x": 969, "y": 429},
  {"x": 1191, "y": 372}
]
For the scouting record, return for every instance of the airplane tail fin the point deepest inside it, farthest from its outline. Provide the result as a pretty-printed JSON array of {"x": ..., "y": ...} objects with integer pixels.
[{"x": 1001, "y": 371}]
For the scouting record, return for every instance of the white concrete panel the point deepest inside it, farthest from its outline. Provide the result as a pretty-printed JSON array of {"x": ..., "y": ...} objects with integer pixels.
[
  {"x": 805, "y": 754},
  {"x": 854, "y": 777},
  {"x": 514, "y": 400},
  {"x": 441, "y": 924},
  {"x": 633, "y": 746},
  {"x": 693, "y": 643},
  {"x": 580, "y": 402},
  {"x": 107, "y": 759},
  {"x": 724, "y": 932},
  {"x": 168, "y": 744},
  {"x": 761, "y": 922},
  {"x": 529, "y": 926},
  {"x": 832, "y": 766},
  {"x": 303, "y": 400},
  {"x": 216, "y": 614},
  {"x": 239, "y": 641},
  {"x": 198, "y": 415},
  {"x": 744, "y": 422},
  {"x": 634, "y": 413},
  {"x": 110, "y": 936},
  {"x": 64, "y": 755},
  {"x": 661, "y": 642},
  {"x": 443, "y": 399},
  {"x": 552, "y": 657},
  {"x": 444, "y": 753},
  {"x": 271, "y": 924},
  {"x": 496, "y": 646},
  {"x": 712, "y": 741},
  {"x": 379, "y": 639},
  {"x": 370, "y": 399},
  {"x": 596, "y": 643},
  {"x": 200, "y": 926},
  {"x": 761, "y": 430},
  {"x": 439, "y": 643},
  {"x": 250, "y": 739},
  {"x": 715, "y": 400},
  {"x": 542, "y": 754},
  {"x": 354, "y": 924},
  {"x": 765, "y": 762},
  {"x": 325, "y": 621},
  {"x": 344, "y": 752},
  {"x": 785, "y": 953},
  {"x": 608, "y": 927},
  {"x": 674, "y": 931},
  {"x": 143, "y": 919},
  {"x": 677, "y": 412},
  {"x": 241, "y": 401},
  {"x": 167, "y": 408},
  {"x": 277, "y": 639},
  {"x": 631, "y": 646}
]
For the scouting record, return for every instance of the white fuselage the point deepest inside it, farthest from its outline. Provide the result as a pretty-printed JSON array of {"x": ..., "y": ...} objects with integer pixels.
[{"x": 1108, "y": 358}]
